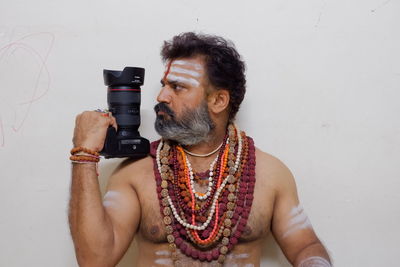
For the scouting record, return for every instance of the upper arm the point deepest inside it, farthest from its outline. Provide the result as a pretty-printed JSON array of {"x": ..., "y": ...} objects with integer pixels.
[
  {"x": 122, "y": 208},
  {"x": 291, "y": 226}
]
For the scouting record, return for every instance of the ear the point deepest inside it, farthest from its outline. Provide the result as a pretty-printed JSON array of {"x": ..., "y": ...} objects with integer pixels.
[{"x": 218, "y": 101}]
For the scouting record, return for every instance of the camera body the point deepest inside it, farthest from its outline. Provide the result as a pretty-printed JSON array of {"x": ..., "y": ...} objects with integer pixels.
[{"x": 123, "y": 98}]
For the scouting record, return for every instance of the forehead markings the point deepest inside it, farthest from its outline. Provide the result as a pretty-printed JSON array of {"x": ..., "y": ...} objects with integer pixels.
[
  {"x": 298, "y": 221},
  {"x": 192, "y": 73},
  {"x": 167, "y": 71},
  {"x": 178, "y": 70},
  {"x": 196, "y": 66},
  {"x": 176, "y": 78}
]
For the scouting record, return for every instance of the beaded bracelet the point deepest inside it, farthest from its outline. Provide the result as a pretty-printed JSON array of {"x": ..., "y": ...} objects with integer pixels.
[
  {"x": 84, "y": 149},
  {"x": 82, "y": 155},
  {"x": 84, "y": 158},
  {"x": 83, "y": 162},
  {"x": 86, "y": 155}
]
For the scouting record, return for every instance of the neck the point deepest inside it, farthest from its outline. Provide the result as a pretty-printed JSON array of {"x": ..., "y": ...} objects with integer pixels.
[{"x": 216, "y": 137}]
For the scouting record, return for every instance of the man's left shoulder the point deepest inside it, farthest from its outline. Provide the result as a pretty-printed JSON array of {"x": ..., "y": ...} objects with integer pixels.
[{"x": 271, "y": 169}]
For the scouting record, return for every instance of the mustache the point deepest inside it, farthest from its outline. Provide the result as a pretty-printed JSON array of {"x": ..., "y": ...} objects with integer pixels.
[{"x": 164, "y": 108}]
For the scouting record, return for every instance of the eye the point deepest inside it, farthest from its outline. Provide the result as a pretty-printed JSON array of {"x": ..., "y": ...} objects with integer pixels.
[{"x": 177, "y": 87}]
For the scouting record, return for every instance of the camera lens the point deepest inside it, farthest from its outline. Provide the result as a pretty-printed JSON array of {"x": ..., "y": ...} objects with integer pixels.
[{"x": 123, "y": 96}]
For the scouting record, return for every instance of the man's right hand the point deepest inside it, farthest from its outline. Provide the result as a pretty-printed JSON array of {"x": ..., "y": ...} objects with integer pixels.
[
  {"x": 101, "y": 232},
  {"x": 91, "y": 129}
]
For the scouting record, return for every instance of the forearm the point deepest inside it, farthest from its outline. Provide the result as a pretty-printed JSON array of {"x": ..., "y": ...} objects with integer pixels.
[
  {"x": 91, "y": 229},
  {"x": 314, "y": 255}
]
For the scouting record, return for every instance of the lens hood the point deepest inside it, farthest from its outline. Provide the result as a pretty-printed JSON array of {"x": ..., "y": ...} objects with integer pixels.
[{"x": 130, "y": 76}]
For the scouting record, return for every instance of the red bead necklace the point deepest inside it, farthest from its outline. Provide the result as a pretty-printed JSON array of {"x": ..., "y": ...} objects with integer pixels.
[{"x": 206, "y": 229}]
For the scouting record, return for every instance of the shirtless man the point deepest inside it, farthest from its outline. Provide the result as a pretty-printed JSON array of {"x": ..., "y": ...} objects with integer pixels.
[{"x": 202, "y": 88}]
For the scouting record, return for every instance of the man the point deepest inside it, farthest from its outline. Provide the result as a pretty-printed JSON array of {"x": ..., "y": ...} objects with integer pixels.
[{"x": 206, "y": 196}]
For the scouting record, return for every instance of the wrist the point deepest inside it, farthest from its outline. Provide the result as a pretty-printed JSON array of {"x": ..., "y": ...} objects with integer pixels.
[
  {"x": 85, "y": 156},
  {"x": 89, "y": 144}
]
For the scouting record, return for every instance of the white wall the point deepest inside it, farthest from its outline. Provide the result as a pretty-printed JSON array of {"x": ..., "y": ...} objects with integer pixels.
[{"x": 323, "y": 96}]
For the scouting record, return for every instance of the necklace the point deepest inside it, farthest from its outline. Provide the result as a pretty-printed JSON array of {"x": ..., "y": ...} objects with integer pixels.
[
  {"x": 203, "y": 155},
  {"x": 210, "y": 179},
  {"x": 214, "y": 208},
  {"x": 204, "y": 227}
]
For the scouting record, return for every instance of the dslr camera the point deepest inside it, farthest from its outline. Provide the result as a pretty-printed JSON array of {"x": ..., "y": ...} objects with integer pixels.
[{"x": 123, "y": 98}]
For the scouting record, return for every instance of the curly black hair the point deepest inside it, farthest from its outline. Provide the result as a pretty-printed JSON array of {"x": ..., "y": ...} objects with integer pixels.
[{"x": 224, "y": 66}]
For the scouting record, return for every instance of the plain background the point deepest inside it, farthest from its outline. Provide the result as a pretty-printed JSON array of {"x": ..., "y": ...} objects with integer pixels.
[{"x": 323, "y": 96}]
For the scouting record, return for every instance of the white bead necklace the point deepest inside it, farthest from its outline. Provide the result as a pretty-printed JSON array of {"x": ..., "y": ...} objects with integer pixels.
[
  {"x": 239, "y": 153},
  {"x": 210, "y": 179},
  {"x": 158, "y": 155},
  {"x": 183, "y": 221}
]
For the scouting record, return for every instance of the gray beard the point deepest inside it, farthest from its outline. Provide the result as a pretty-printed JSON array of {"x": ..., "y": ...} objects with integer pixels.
[{"x": 194, "y": 127}]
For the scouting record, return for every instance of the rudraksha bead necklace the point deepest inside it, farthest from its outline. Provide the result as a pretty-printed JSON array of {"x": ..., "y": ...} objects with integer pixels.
[{"x": 206, "y": 226}]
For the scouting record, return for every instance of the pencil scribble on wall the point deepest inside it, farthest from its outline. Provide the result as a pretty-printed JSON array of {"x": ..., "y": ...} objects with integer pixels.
[
  {"x": 24, "y": 77},
  {"x": 381, "y": 5},
  {"x": 320, "y": 13}
]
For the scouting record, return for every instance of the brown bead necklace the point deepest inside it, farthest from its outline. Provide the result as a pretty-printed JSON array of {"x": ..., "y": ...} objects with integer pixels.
[{"x": 206, "y": 228}]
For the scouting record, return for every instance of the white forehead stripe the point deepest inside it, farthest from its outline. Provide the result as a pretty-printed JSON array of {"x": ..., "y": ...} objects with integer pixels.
[
  {"x": 298, "y": 221},
  {"x": 185, "y": 71},
  {"x": 186, "y": 63},
  {"x": 176, "y": 78},
  {"x": 315, "y": 261}
]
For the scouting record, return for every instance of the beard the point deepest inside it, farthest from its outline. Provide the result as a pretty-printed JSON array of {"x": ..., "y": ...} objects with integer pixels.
[{"x": 194, "y": 126}]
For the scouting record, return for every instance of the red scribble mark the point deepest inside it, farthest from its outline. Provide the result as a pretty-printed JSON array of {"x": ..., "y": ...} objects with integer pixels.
[{"x": 10, "y": 49}]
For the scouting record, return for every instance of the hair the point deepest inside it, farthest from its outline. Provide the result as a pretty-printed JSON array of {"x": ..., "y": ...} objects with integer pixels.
[{"x": 224, "y": 66}]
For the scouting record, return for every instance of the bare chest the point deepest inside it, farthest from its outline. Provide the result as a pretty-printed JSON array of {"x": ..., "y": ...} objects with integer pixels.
[{"x": 152, "y": 227}]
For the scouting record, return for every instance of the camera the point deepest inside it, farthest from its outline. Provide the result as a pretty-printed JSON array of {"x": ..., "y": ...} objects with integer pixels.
[{"x": 123, "y": 98}]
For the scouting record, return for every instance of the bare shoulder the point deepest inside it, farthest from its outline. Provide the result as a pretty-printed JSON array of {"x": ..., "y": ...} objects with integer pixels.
[
  {"x": 273, "y": 171},
  {"x": 132, "y": 171}
]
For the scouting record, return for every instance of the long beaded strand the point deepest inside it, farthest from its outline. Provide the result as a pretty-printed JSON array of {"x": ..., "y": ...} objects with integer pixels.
[
  {"x": 198, "y": 195},
  {"x": 227, "y": 215}
]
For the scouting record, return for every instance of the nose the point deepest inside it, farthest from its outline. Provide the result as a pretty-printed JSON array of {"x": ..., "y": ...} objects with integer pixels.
[{"x": 164, "y": 95}]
